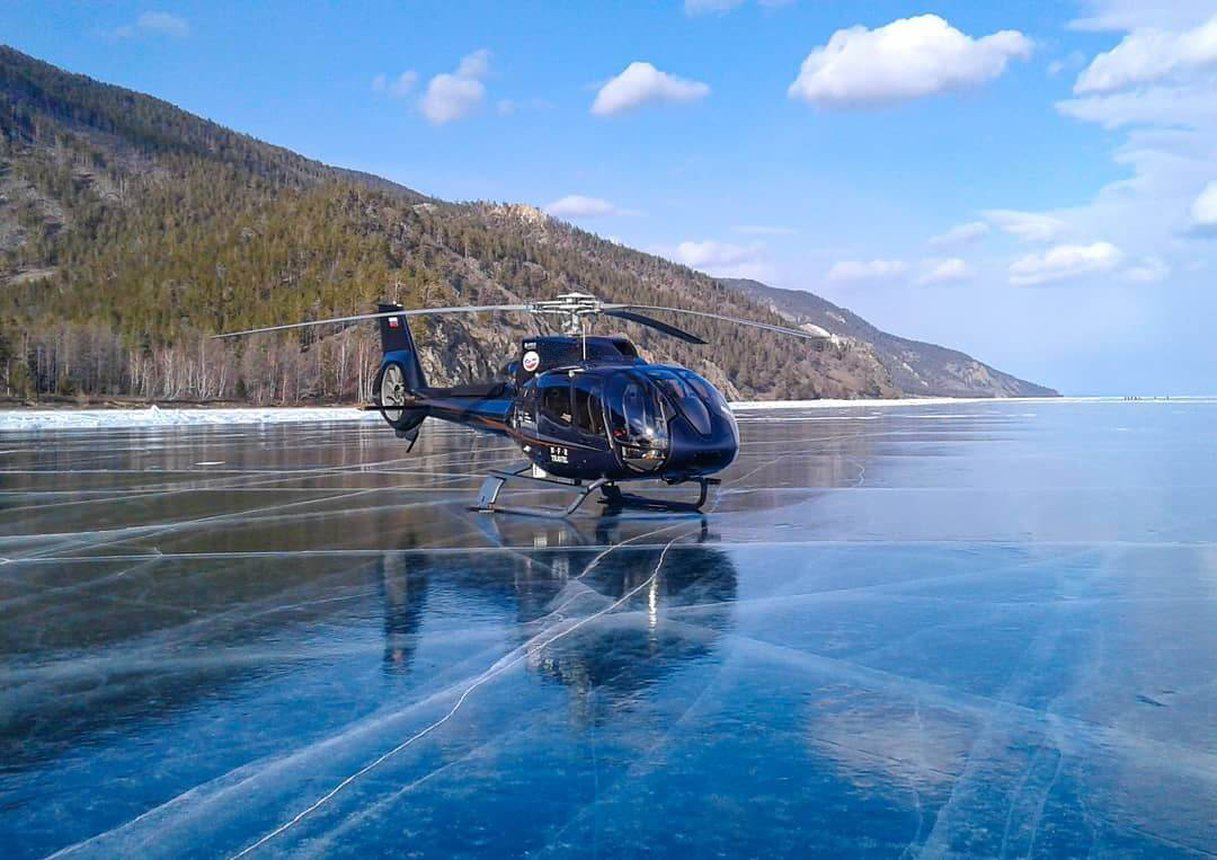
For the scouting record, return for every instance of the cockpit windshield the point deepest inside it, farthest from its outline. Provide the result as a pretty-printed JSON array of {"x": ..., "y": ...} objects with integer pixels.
[
  {"x": 712, "y": 397},
  {"x": 635, "y": 414},
  {"x": 692, "y": 396}
]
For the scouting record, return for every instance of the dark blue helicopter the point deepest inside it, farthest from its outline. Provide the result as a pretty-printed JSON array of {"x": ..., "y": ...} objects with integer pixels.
[{"x": 587, "y": 411}]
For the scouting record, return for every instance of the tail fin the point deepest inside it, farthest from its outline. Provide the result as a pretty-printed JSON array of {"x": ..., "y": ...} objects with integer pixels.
[
  {"x": 395, "y": 338},
  {"x": 399, "y": 368}
]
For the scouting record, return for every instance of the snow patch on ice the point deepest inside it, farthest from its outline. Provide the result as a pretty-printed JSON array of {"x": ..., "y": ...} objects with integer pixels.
[
  {"x": 757, "y": 405},
  {"x": 153, "y": 416}
]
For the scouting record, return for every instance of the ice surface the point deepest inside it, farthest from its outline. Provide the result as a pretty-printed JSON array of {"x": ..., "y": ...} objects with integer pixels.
[
  {"x": 155, "y": 416},
  {"x": 12, "y": 420},
  {"x": 985, "y": 628}
]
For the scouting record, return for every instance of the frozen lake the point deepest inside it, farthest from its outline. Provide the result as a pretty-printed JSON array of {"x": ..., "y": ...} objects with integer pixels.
[{"x": 983, "y": 628}]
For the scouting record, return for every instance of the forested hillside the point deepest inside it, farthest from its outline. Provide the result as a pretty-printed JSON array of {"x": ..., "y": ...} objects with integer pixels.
[{"x": 130, "y": 231}]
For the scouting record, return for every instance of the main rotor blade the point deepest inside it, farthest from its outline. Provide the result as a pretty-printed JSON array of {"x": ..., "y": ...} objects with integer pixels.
[
  {"x": 418, "y": 312},
  {"x": 658, "y": 325},
  {"x": 819, "y": 334}
]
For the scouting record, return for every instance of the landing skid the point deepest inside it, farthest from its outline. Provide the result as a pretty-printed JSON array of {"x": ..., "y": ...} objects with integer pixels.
[{"x": 612, "y": 497}]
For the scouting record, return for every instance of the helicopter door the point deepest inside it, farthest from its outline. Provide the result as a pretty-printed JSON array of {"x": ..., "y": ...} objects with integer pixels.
[
  {"x": 588, "y": 414},
  {"x": 524, "y": 416}
]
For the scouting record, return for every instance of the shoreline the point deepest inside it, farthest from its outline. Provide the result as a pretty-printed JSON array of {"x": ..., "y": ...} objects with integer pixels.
[{"x": 21, "y": 418}]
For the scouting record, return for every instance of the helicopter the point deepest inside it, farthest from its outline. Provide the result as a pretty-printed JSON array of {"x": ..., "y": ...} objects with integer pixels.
[{"x": 587, "y": 411}]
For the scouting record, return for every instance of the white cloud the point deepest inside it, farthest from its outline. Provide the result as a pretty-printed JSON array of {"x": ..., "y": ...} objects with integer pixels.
[
  {"x": 475, "y": 65},
  {"x": 155, "y": 24},
  {"x": 948, "y": 271},
  {"x": 1158, "y": 83},
  {"x": 1064, "y": 262},
  {"x": 1115, "y": 15},
  {"x": 906, "y": 59},
  {"x": 578, "y": 206},
  {"x": 1147, "y": 270},
  {"x": 961, "y": 234},
  {"x": 1072, "y": 60},
  {"x": 1027, "y": 226},
  {"x": 764, "y": 230},
  {"x": 399, "y": 87},
  {"x": 1149, "y": 55},
  {"x": 711, "y": 253},
  {"x": 1180, "y": 106},
  {"x": 1204, "y": 210},
  {"x": 450, "y": 97},
  {"x": 724, "y": 259},
  {"x": 505, "y": 107},
  {"x": 642, "y": 83},
  {"x": 868, "y": 270}
]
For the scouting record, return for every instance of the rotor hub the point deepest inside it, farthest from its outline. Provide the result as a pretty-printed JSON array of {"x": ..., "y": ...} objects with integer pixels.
[{"x": 572, "y": 306}]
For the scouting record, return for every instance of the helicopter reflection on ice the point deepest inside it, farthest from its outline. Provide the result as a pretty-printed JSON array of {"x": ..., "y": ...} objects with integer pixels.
[{"x": 569, "y": 566}]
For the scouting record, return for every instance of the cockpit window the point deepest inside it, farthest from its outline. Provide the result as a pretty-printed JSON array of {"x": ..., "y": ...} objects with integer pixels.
[{"x": 687, "y": 399}]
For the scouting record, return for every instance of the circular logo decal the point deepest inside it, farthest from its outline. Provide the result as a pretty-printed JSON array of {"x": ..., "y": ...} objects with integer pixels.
[{"x": 531, "y": 360}]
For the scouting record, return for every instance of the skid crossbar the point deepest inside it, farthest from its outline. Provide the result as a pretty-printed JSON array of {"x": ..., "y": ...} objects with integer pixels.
[
  {"x": 613, "y": 498},
  {"x": 488, "y": 496}
]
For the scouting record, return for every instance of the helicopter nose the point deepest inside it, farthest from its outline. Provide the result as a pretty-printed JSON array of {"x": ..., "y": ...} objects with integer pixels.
[{"x": 695, "y": 455}]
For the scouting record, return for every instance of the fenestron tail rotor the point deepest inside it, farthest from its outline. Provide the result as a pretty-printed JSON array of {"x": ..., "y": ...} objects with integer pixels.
[{"x": 572, "y": 308}]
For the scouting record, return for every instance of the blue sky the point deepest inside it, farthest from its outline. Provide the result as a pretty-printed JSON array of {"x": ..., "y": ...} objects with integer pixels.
[{"x": 1026, "y": 182}]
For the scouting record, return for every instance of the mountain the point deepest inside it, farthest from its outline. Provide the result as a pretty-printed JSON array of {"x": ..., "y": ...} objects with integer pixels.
[
  {"x": 916, "y": 368},
  {"x": 131, "y": 230}
]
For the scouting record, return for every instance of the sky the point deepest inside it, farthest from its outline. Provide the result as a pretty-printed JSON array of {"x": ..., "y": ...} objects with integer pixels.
[{"x": 1032, "y": 183}]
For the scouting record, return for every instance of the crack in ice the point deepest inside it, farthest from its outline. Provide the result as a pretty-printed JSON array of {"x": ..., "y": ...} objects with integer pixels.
[{"x": 494, "y": 671}]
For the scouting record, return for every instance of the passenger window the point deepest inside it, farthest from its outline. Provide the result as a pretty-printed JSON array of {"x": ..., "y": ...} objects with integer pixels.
[
  {"x": 555, "y": 403},
  {"x": 588, "y": 415}
]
